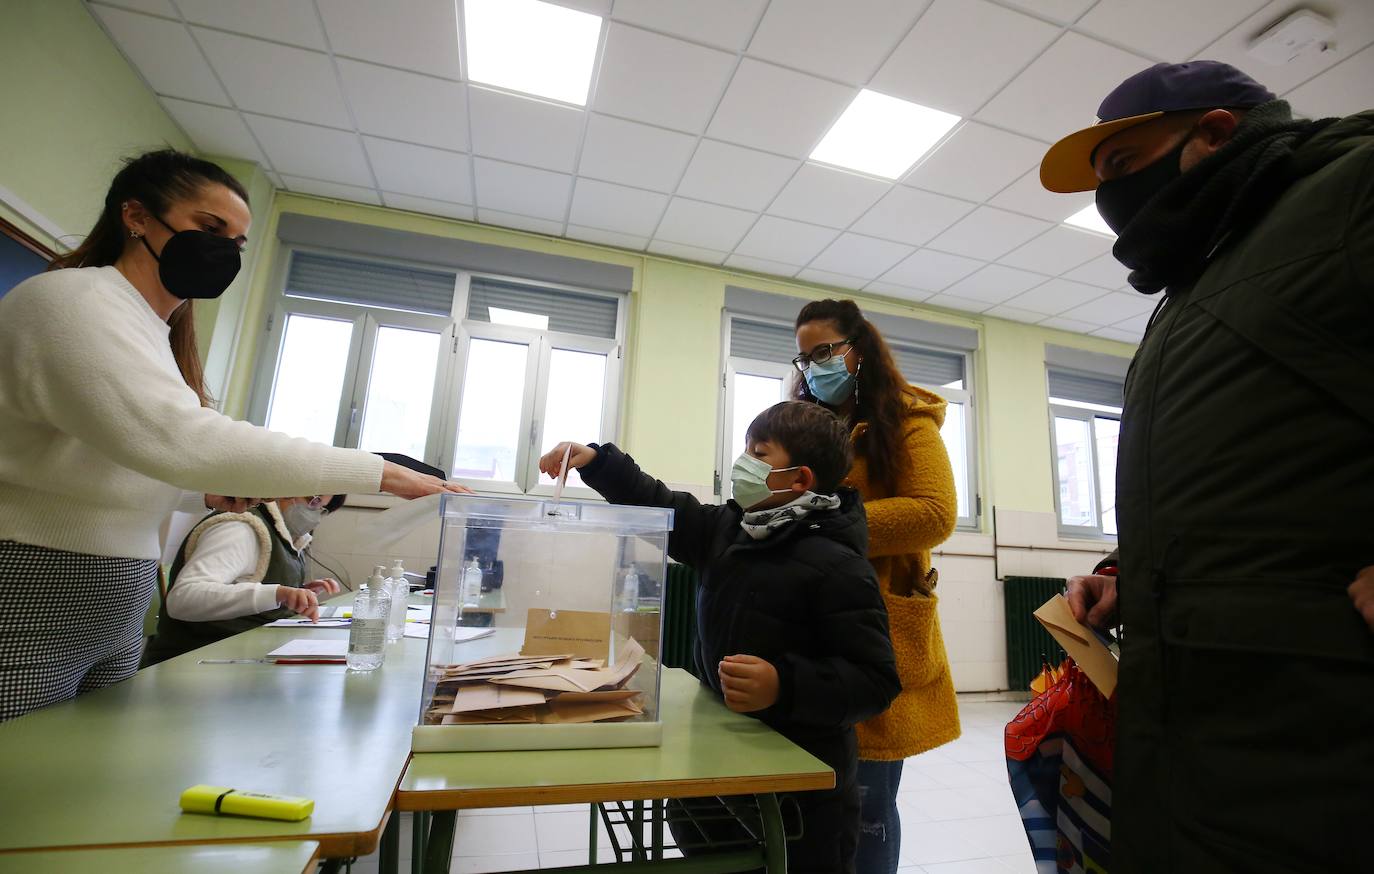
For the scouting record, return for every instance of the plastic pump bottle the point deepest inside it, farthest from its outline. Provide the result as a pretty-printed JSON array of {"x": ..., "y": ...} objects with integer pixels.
[
  {"x": 472, "y": 582},
  {"x": 367, "y": 630},
  {"x": 399, "y": 590}
]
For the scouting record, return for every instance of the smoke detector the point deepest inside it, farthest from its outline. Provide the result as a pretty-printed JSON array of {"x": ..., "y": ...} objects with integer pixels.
[{"x": 1300, "y": 33}]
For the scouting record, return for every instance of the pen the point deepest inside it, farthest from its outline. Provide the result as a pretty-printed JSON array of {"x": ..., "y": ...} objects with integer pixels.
[{"x": 271, "y": 662}]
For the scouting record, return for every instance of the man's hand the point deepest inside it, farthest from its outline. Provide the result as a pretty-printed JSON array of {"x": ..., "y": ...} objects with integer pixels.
[
  {"x": 552, "y": 461},
  {"x": 325, "y": 586},
  {"x": 1092, "y": 598},
  {"x": 749, "y": 683},
  {"x": 1362, "y": 595},
  {"x": 230, "y": 504},
  {"x": 301, "y": 601}
]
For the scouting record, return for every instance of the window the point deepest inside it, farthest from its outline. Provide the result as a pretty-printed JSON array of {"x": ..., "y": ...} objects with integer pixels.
[
  {"x": 474, "y": 374},
  {"x": 758, "y": 374},
  {"x": 1085, "y": 421}
]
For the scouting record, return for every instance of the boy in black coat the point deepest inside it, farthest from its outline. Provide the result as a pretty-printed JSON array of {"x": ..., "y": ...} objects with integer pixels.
[{"x": 791, "y": 627}]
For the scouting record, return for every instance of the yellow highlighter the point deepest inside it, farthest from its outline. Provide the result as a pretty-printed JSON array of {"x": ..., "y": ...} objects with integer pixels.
[{"x": 223, "y": 800}]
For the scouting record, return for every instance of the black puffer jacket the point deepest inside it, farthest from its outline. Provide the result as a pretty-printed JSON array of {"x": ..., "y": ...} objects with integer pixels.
[{"x": 805, "y": 599}]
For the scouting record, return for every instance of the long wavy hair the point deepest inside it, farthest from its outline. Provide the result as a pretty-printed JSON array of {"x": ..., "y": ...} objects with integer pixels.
[
  {"x": 157, "y": 180},
  {"x": 881, "y": 392}
]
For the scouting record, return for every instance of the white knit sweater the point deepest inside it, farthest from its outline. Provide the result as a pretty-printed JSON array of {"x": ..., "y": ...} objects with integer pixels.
[{"x": 99, "y": 433}]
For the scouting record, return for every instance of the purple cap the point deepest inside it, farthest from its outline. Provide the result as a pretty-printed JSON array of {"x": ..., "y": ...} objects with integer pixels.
[{"x": 1179, "y": 87}]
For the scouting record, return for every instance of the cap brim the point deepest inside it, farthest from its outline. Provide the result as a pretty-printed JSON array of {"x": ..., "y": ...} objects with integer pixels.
[{"x": 1068, "y": 166}]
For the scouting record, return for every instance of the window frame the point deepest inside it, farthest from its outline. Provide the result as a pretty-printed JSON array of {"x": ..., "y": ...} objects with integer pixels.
[{"x": 1089, "y": 415}]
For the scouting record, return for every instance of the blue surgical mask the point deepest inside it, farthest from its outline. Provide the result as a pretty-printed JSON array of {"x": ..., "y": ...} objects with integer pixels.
[
  {"x": 830, "y": 381},
  {"x": 749, "y": 480}
]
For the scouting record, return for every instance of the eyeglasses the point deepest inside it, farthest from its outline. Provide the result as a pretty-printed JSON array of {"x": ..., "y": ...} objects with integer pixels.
[{"x": 821, "y": 354}]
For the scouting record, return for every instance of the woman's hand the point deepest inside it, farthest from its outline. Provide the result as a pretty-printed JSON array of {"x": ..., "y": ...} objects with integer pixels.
[
  {"x": 749, "y": 683},
  {"x": 406, "y": 483},
  {"x": 301, "y": 601},
  {"x": 1362, "y": 594},
  {"x": 552, "y": 462},
  {"x": 230, "y": 504},
  {"x": 325, "y": 586}
]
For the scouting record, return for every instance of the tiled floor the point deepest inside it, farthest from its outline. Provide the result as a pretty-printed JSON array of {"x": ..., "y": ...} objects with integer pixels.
[{"x": 958, "y": 816}]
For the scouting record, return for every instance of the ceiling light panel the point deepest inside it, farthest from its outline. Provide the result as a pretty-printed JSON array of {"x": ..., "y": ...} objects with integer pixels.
[
  {"x": 882, "y": 136},
  {"x": 531, "y": 47},
  {"x": 1089, "y": 219}
]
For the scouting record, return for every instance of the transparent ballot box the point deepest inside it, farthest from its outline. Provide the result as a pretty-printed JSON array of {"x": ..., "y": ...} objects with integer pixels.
[{"x": 545, "y": 628}]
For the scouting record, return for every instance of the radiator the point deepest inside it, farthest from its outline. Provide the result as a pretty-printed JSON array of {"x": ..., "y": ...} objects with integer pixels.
[
  {"x": 1028, "y": 643},
  {"x": 679, "y": 616}
]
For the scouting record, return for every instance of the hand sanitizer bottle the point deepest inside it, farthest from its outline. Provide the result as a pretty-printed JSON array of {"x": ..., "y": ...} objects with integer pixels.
[
  {"x": 399, "y": 590},
  {"x": 367, "y": 630},
  {"x": 472, "y": 583},
  {"x": 629, "y": 591}
]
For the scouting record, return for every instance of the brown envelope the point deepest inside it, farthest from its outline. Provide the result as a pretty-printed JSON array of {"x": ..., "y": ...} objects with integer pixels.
[
  {"x": 1080, "y": 643},
  {"x": 585, "y": 634},
  {"x": 511, "y": 716},
  {"x": 594, "y": 710},
  {"x": 488, "y": 697}
]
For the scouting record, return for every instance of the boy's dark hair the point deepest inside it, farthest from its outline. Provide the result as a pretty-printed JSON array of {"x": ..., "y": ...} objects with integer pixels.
[
  {"x": 335, "y": 503},
  {"x": 811, "y": 435}
]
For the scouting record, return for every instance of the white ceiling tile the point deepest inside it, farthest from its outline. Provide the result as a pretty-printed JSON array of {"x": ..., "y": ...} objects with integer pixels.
[
  {"x": 1155, "y": 29},
  {"x": 634, "y": 154},
  {"x": 977, "y": 162},
  {"x": 1111, "y": 308},
  {"x": 420, "y": 171},
  {"x": 256, "y": 73},
  {"x": 761, "y": 265},
  {"x": 994, "y": 284},
  {"x": 406, "y": 106},
  {"x": 687, "y": 253},
  {"x": 1138, "y": 324},
  {"x": 892, "y": 289},
  {"x": 960, "y": 53},
  {"x": 1119, "y": 334},
  {"x": 519, "y": 222},
  {"x": 1062, "y": 11},
  {"x": 608, "y": 238},
  {"x": 524, "y": 130},
  {"x": 958, "y": 303},
  {"x": 1026, "y": 195},
  {"x": 735, "y": 176},
  {"x": 664, "y": 81},
  {"x": 1342, "y": 90},
  {"x": 428, "y": 206},
  {"x": 1015, "y": 315},
  {"x": 164, "y": 53},
  {"x": 1056, "y": 296},
  {"x": 521, "y": 190},
  {"x": 1354, "y": 21},
  {"x": 1055, "y": 96},
  {"x": 931, "y": 271},
  {"x": 332, "y": 189},
  {"x": 215, "y": 131},
  {"x": 275, "y": 180},
  {"x": 705, "y": 225},
  {"x": 826, "y": 196},
  {"x": 825, "y": 277},
  {"x": 315, "y": 152},
  {"x": 1064, "y": 324},
  {"x": 1104, "y": 271},
  {"x": 911, "y": 216},
  {"x": 152, "y": 7},
  {"x": 779, "y": 239},
  {"x": 778, "y": 110},
  {"x": 723, "y": 23},
  {"x": 593, "y": 7},
  {"x": 1058, "y": 250},
  {"x": 289, "y": 21},
  {"x": 810, "y": 35},
  {"x": 864, "y": 257},
  {"x": 410, "y": 34},
  {"x": 616, "y": 208},
  {"x": 988, "y": 233}
]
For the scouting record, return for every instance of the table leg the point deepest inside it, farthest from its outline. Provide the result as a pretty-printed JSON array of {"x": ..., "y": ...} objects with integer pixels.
[
  {"x": 593, "y": 813},
  {"x": 389, "y": 854},
  {"x": 774, "y": 835},
  {"x": 439, "y": 844},
  {"x": 656, "y": 829},
  {"x": 419, "y": 825}
]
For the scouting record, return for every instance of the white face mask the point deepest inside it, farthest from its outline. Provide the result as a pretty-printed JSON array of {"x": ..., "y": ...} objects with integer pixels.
[
  {"x": 749, "y": 480},
  {"x": 301, "y": 519}
]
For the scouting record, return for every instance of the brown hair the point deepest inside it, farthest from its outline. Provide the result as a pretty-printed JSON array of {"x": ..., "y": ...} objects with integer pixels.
[
  {"x": 811, "y": 435},
  {"x": 157, "y": 180},
  {"x": 880, "y": 391}
]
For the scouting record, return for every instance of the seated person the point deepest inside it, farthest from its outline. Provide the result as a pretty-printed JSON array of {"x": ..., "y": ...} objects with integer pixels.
[
  {"x": 236, "y": 571},
  {"x": 791, "y": 627}
]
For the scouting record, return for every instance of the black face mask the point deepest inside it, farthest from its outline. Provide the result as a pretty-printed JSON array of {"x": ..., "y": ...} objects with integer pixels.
[
  {"x": 1120, "y": 200},
  {"x": 196, "y": 264}
]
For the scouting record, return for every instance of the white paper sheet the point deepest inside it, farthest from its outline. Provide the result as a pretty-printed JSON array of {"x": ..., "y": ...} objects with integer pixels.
[
  {"x": 301, "y": 622},
  {"x": 312, "y": 648},
  {"x": 461, "y": 635}
]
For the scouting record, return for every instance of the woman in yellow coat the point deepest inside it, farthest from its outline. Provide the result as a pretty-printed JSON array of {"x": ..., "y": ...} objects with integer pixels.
[{"x": 902, "y": 470}]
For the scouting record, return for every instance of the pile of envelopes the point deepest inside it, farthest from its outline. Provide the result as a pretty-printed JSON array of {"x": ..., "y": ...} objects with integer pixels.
[{"x": 517, "y": 689}]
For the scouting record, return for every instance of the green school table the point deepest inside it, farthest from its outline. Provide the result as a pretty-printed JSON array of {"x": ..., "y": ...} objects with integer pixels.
[
  {"x": 282, "y": 857},
  {"x": 107, "y": 769},
  {"x": 707, "y": 750}
]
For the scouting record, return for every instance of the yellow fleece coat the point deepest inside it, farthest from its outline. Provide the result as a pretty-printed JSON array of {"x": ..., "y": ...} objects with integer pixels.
[{"x": 902, "y": 529}]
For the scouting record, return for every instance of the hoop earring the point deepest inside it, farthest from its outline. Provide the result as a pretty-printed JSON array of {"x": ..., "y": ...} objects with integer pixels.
[{"x": 858, "y": 369}]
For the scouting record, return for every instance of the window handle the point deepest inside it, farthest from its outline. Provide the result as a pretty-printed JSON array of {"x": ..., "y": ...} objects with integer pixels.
[{"x": 352, "y": 415}]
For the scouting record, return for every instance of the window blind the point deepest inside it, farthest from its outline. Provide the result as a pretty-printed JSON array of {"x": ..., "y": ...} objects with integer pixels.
[
  {"x": 929, "y": 367},
  {"x": 370, "y": 283},
  {"x": 1085, "y": 388},
  {"x": 568, "y": 312},
  {"x": 762, "y": 341}
]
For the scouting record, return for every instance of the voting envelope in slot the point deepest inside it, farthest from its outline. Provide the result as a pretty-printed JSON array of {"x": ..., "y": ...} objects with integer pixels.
[
  {"x": 571, "y": 591},
  {"x": 1081, "y": 643}
]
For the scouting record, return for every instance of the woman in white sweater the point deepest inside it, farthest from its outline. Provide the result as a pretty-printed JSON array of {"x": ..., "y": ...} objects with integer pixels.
[{"x": 104, "y": 421}]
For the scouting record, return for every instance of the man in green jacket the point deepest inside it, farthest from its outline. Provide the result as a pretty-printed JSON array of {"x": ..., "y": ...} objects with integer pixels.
[{"x": 1245, "y": 475}]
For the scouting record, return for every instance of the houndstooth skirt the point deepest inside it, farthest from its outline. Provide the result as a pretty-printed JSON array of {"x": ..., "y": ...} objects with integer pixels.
[{"x": 69, "y": 623}]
